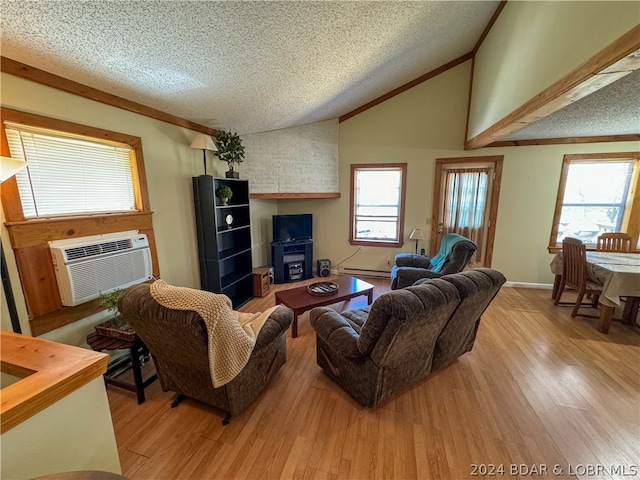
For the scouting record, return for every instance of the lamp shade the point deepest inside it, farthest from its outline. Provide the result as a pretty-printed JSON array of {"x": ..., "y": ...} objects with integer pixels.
[
  {"x": 416, "y": 234},
  {"x": 9, "y": 167},
  {"x": 204, "y": 142}
]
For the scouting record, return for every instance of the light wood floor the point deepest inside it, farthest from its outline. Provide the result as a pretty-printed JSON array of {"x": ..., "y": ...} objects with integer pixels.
[{"x": 539, "y": 388}]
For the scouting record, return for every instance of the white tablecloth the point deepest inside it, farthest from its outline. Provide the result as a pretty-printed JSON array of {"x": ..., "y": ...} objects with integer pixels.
[{"x": 619, "y": 274}]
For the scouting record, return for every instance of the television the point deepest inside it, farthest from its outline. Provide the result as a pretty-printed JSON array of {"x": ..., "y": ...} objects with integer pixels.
[{"x": 292, "y": 228}]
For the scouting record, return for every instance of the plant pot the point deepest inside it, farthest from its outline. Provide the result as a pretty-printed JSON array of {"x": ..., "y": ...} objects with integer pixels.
[
  {"x": 223, "y": 201},
  {"x": 232, "y": 174}
]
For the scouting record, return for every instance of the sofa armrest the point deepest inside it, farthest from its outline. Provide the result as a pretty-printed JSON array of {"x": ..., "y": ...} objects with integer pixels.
[
  {"x": 407, "y": 276},
  {"x": 334, "y": 330},
  {"x": 277, "y": 324},
  {"x": 412, "y": 260}
]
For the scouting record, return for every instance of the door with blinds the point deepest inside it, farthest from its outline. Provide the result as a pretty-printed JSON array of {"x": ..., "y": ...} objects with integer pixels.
[{"x": 466, "y": 202}]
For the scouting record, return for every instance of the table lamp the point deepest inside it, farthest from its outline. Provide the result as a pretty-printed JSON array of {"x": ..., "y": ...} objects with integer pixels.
[{"x": 416, "y": 235}]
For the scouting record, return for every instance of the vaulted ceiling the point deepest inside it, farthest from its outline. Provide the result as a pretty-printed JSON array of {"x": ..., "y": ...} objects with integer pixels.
[{"x": 259, "y": 66}]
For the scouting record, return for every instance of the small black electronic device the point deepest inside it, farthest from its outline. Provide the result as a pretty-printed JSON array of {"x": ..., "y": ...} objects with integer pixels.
[{"x": 323, "y": 268}]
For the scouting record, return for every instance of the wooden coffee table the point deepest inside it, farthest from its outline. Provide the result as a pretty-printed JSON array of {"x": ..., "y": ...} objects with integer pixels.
[{"x": 300, "y": 300}]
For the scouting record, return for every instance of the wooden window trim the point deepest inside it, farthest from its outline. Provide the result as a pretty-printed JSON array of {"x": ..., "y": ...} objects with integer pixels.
[
  {"x": 498, "y": 161},
  {"x": 29, "y": 237},
  {"x": 633, "y": 212},
  {"x": 403, "y": 196}
]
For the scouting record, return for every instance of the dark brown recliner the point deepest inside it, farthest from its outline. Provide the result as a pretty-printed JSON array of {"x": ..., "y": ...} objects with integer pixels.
[
  {"x": 178, "y": 344},
  {"x": 377, "y": 351}
]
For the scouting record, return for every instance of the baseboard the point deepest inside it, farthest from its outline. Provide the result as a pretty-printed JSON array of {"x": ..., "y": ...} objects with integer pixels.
[
  {"x": 364, "y": 272},
  {"x": 543, "y": 286}
]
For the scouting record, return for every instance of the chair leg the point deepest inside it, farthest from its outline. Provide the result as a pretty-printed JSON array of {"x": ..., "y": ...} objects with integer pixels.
[
  {"x": 559, "y": 292},
  {"x": 576, "y": 307},
  {"x": 594, "y": 300},
  {"x": 226, "y": 419},
  {"x": 176, "y": 400}
]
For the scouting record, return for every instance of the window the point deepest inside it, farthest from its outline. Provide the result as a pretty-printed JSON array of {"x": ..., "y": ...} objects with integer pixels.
[
  {"x": 70, "y": 174},
  {"x": 377, "y": 204},
  {"x": 596, "y": 195}
]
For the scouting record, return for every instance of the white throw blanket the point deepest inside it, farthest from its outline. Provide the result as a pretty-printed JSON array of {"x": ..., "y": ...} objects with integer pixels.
[{"x": 232, "y": 335}]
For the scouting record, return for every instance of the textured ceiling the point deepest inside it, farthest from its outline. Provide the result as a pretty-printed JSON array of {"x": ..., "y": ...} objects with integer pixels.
[
  {"x": 247, "y": 66},
  {"x": 266, "y": 65}
]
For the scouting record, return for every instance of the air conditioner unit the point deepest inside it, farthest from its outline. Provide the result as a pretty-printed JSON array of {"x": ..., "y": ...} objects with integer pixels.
[{"x": 88, "y": 266}]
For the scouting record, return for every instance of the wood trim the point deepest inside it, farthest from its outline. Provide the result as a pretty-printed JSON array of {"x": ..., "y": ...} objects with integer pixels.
[
  {"x": 30, "y": 233},
  {"x": 403, "y": 201},
  {"x": 601, "y": 156},
  {"x": 608, "y": 65},
  {"x": 406, "y": 86},
  {"x": 492, "y": 20},
  {"x": 62, "y": 316},
  {"x": 27, "y": 72},
  {"x": 634, "y": 214},
  {"x": 34, "y": 120},
  {"x": 50, "y": 372},
  {"x": 567, "y": 140},
  {"x": 284, "y": 196},
  {"x": 466, "y": 126},
  {"x": 498, "y": 161}
]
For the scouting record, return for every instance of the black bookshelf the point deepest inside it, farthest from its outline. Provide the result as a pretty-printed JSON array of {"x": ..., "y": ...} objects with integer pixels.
[{"x": 224, "y": 238}]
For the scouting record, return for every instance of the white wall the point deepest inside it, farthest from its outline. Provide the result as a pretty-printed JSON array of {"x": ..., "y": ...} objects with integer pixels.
[
  {"x": 74, "y": 433},
  {"x": 534, "y": 44}
]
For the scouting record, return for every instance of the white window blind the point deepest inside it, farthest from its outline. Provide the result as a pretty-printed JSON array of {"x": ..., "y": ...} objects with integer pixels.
[{"x": 70, "y": 175}]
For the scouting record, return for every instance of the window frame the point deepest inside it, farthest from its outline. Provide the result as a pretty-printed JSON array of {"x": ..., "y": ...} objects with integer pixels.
[
  {"x": 71, "y": 152},
  {"x": 631, "y": 218},
  {"x": 30, "y": 236},
  {"x": 352, "y": 200}
]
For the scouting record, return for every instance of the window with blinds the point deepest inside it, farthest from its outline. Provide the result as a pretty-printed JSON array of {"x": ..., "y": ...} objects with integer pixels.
[{"x": 70, "y": 174}]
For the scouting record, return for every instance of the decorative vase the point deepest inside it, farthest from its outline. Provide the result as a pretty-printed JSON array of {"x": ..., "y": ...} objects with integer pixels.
[
  {"x": 223, "y": 201},
  {"x": 232, "y": 174}
]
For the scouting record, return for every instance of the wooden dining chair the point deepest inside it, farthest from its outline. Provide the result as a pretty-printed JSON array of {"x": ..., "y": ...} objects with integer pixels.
[
  {"x": 613, "y": 242},
  {"x": 574, "y": 275}
]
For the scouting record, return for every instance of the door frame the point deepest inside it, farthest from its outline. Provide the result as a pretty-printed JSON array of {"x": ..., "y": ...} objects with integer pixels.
[{"x": 493, "y": 207}]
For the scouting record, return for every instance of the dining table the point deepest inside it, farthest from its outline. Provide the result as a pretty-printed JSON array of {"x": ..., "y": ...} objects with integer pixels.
[{"x": 619, "y": 275}]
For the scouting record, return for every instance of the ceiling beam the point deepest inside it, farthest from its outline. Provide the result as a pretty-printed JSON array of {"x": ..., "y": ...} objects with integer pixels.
[
  {"x": 567, "y": 140},
  {"x": 610, "y": 64},
  {"x": 27, "y": 72}
]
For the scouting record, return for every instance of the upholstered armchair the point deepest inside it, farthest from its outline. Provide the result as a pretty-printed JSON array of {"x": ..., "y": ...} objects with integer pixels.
[
  {"x": 454, "y": 255},
  {"x": 377, "y": 351},
  {"x": 178, "y": 344}
]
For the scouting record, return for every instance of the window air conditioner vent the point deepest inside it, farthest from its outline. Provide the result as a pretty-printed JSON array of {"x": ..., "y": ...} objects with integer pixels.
[
  {"x": 75, "y": 253},
  {"x": 88, "y": 266}
]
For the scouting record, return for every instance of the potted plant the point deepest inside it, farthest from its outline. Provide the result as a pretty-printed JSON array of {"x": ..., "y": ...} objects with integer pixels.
[
  {"x": 224, "y": 193},
  {"x": 110, "y": 300},
  {"x": 230, "y": 150},
  {"x": 117, "y": 327}
]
